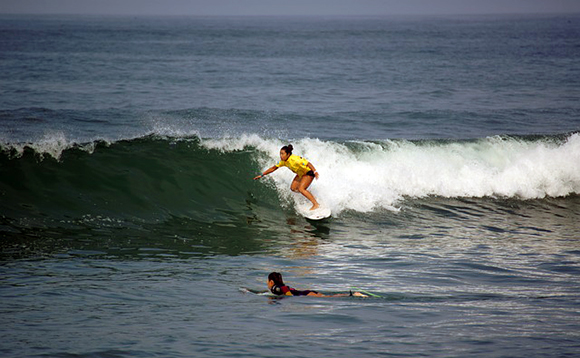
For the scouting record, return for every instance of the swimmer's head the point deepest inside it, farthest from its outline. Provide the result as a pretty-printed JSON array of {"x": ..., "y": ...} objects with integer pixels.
[{"x": 275, "y": 282}]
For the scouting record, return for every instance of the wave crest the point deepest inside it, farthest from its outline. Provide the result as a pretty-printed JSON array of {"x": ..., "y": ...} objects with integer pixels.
[{"x": 155, "y": 178}]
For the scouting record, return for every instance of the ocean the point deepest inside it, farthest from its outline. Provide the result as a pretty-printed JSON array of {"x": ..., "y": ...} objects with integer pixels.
[{"x": 448, "y": 149}]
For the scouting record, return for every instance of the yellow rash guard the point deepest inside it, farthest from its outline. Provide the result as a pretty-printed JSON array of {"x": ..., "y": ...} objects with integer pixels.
[{"x": 295, "y": 163}]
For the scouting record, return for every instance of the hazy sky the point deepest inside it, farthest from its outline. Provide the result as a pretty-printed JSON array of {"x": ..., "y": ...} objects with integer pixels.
[{"x": 287, "y": 7}]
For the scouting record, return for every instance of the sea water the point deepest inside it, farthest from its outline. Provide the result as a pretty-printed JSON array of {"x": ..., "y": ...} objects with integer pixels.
[{"x": 448, "y": 150}]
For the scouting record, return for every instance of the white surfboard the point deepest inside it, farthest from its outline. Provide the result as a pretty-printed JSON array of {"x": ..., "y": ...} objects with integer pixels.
[{"x": 318, "y": 214}]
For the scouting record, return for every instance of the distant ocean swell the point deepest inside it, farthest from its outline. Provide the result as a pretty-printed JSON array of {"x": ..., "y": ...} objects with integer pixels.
[{"x": 154, "y": 178}]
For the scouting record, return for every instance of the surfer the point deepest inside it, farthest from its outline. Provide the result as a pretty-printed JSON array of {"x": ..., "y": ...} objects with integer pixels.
[
  {"x": 305, "y": 173},
  {"x": 276, "y": 286}
]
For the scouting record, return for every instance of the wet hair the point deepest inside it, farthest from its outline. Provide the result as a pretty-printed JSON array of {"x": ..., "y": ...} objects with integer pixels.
[
  {"x": 277, "y": 278},
  {"x": 288, "y": 148}
]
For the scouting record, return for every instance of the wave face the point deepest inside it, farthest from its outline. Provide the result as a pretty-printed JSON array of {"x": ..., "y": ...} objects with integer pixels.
[
  {"x": 154, "y": 179},
  {"x": 148, "y": 179}
]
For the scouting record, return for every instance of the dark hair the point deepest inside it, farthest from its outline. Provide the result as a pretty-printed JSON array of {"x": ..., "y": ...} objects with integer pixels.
[
  {"x": 288, "y": 148},
  {"x": 277, "y": 278}
]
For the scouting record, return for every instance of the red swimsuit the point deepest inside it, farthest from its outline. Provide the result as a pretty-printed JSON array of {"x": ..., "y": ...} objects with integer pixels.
[{"x": 283, "y": 290}]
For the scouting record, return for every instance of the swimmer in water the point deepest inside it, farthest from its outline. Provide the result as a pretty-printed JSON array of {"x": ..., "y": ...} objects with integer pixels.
[
  {"x": 305, "y": 173},
  {"x": 276, "y": 286}
]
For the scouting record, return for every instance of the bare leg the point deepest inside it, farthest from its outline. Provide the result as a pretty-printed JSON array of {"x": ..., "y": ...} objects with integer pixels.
[
  {"x": 295, "y": 184},
  {"x": 356, "y": 294},
  {"x": 300, "y": 185}
]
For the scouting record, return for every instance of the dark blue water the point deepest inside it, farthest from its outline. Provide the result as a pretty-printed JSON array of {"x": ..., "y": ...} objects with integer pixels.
[{"x": 448, "y": 150}]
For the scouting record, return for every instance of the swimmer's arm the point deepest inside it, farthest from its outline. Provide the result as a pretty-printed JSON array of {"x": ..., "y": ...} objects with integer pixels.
[{"x": 268, "y": 171}]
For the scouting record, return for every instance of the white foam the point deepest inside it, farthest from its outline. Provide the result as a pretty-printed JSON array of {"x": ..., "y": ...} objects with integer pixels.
[
  {"x": 364, "y": 176},
  {"x": 51, "y": 144},
  {"x": 230, "y": 144}
]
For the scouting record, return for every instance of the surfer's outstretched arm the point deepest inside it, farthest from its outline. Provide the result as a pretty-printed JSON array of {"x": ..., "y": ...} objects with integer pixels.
[{"x": 268, "y": 171}]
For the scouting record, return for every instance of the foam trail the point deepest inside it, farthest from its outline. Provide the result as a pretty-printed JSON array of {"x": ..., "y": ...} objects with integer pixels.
[{"x": 364, "y": 176}]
